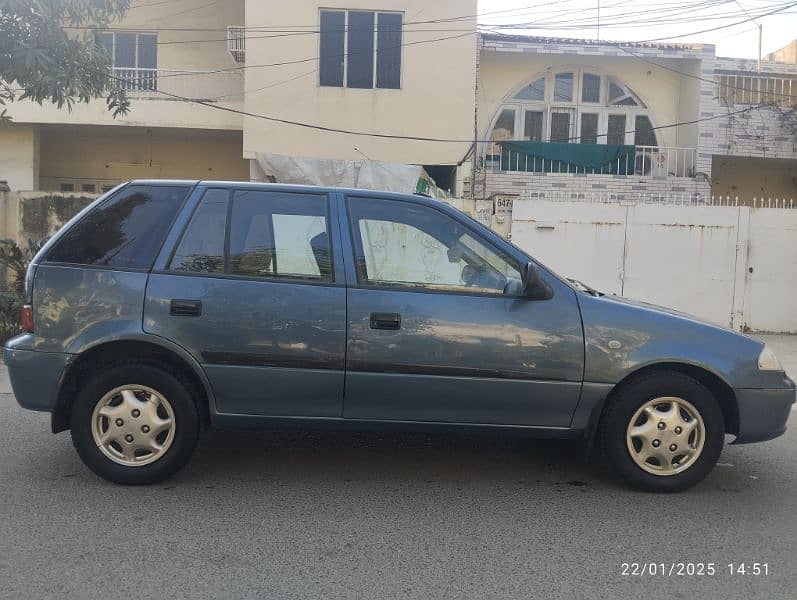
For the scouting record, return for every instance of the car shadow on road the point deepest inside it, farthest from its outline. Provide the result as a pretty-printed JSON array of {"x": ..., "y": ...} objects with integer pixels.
[
  {"x": 303, "y": 455},
  {"x": 475, "y": 459}
]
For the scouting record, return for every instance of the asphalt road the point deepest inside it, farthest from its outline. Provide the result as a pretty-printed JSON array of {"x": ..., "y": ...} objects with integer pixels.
[{"x": 342, "y": 515}]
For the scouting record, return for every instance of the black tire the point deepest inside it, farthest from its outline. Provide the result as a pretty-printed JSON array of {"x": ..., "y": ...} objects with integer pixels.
[
  {"x": 186, "y": 420},
  {"x": 622, "y": 406}
]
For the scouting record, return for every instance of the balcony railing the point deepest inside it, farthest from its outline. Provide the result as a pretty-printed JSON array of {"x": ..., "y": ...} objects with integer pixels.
[
  {"x": 166, "y": 83},
  {"x": 661, "y": 161},
  {"x": 757, "y": 89},
  {"x": 649, "y": 161}
]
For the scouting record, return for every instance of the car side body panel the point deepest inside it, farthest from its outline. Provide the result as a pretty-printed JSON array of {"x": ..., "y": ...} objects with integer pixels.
[
  {"x": 268, "y": 348},
  {"x": 464, "y": 358},
  {"x": 76, "y": 307}
]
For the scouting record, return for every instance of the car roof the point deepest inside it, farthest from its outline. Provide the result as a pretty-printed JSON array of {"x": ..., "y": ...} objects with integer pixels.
[
  {"x": 288, "y": 187},
  {"x": 311, "y": 189}
]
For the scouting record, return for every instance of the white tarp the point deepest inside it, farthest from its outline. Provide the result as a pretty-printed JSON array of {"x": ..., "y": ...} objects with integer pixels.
[{"x": 363, "y": 174}]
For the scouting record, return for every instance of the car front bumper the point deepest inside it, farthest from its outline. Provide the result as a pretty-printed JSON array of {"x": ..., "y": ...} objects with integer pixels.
[
  {"x": 35, "y": 376},
  {"x": 763, "y": 413}
]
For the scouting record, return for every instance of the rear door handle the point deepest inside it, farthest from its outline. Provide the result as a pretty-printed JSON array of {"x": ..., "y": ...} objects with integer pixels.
[
  {"x": 391, "y": 321},
  {"x": 186, "y": 308}
]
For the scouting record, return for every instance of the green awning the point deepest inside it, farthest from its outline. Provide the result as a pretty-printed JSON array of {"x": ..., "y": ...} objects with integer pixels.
[{"x": 550, "y": 157}]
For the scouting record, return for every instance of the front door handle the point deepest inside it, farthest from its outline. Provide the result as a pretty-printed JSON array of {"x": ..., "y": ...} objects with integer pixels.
[
  {"x": 186, "y": 308},
  {"x": 390, "y": 321}
]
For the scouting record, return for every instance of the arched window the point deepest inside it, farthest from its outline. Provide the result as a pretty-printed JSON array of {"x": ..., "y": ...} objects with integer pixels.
[{"x": 573, "y": 106}]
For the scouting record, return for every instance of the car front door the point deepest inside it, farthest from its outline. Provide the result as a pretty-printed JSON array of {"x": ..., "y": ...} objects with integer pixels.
[
  {"x": 255, "y": 292},
  {"x": 438, "y": 330}
]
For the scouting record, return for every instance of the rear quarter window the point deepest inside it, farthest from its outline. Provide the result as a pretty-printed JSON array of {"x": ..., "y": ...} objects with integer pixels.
[{"x": 125, "y": 231}]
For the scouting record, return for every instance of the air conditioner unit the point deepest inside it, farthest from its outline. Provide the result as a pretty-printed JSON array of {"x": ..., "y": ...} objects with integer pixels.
[{"x": 236, "y": 43}]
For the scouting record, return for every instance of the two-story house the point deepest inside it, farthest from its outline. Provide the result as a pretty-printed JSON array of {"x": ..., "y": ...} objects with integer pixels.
[
  {"x": 568, "y": 119},
  {"x": 216, "y": 86}
]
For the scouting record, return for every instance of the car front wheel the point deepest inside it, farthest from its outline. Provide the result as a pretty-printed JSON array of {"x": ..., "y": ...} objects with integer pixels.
[
  {"x": 662, "y": 432},
  {"x": 134, "y": 423}
]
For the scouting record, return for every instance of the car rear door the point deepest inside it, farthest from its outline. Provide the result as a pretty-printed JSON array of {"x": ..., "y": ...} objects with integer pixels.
[
  {"x": 432, "y": 334},
  {"x": 251, "y": 283}
]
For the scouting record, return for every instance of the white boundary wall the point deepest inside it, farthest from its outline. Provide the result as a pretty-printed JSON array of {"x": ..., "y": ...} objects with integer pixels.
[{"x": 732, "y": 265}]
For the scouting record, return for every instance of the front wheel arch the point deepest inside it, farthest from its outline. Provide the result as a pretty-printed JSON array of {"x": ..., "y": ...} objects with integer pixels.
[{"x": 719, "y": 388}]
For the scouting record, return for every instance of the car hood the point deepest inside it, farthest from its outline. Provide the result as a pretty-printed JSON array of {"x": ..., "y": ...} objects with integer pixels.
[
  {"x": 639, "y": 304},
  {"x": 623, "y": 335}
]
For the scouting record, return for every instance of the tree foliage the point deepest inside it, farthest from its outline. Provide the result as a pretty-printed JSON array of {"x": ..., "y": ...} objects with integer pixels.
[
  {"x": 49, "y": 53},
  {"x": 16, "y": 259}
]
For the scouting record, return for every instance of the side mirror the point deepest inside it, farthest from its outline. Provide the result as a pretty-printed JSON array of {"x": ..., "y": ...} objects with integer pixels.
[{"x": 534, "y": 288}]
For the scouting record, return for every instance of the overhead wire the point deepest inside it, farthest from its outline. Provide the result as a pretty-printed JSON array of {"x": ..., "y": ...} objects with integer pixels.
[
  {"x": 424, "y": 138},
  {"x": 396, "y": 136}
]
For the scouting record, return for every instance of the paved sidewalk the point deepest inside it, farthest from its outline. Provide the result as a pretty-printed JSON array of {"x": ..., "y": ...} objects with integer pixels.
[{"x": 5, "y": 382}]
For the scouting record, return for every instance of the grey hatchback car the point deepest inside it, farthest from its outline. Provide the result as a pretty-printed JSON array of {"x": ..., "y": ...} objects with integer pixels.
[{"x": 166, "y": 306}]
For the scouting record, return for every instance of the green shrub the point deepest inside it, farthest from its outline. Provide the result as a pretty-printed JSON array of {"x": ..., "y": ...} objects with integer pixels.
[
  {"x": 10, "y": 307},
  {"x": 15, "y": 260}
]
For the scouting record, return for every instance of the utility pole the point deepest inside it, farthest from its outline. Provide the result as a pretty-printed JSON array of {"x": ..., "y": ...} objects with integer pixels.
[
  {"x": 599, "y": 20},
  {"x": 760, "y": 31}
]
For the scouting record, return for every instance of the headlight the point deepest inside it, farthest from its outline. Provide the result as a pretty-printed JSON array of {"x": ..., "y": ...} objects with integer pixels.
[{"x": 767, "y": 361}]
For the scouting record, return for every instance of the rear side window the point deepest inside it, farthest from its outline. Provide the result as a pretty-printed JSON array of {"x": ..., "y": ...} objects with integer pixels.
[
  {"x": 279, "y": 235},
  {"x": 201, "y": 249},
  {"x": 125, "y": 231},
  {"x": 262, "y": 235}
]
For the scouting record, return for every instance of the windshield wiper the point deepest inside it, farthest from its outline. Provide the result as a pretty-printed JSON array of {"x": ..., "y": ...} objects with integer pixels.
[{"x": 585, "y": 287}]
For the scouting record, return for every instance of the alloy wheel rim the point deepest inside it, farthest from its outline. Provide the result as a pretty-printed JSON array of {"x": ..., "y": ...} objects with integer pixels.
[
  {"x": 133, "y": 425},
  {"x": 666, "y": 436}
]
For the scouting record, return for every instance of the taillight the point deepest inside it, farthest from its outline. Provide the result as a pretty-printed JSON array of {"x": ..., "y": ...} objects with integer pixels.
[{"x": 26, "y": 318}]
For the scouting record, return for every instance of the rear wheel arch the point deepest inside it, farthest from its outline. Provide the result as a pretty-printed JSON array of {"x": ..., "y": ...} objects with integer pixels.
[{"x": 105, "y": 354}]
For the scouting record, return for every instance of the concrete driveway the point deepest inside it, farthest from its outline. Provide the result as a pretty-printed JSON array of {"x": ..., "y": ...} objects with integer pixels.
[{"x": 341, "y": 515}]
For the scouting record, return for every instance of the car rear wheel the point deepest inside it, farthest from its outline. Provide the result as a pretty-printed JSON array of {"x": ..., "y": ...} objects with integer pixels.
[
  {"x": 661, "y": 432},
  {"x": 134, "y": 423}
]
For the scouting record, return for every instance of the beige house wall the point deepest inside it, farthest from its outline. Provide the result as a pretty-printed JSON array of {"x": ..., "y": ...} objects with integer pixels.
[
  {"x": 436, "y": 99},
  {"x": 748, "y": 178},
  {"x": 787, "y": 54},
  {"x": 19, "y": 156},
  {"x": 670, "y": 97},
  {"x": 109, "y": 155}
]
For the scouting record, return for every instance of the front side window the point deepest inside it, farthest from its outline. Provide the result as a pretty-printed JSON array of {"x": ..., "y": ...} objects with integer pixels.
[
  {"x": 360, "y": 49},
  {"x": 412, "y": 246},
  {"x": 125, "y": 231}
]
